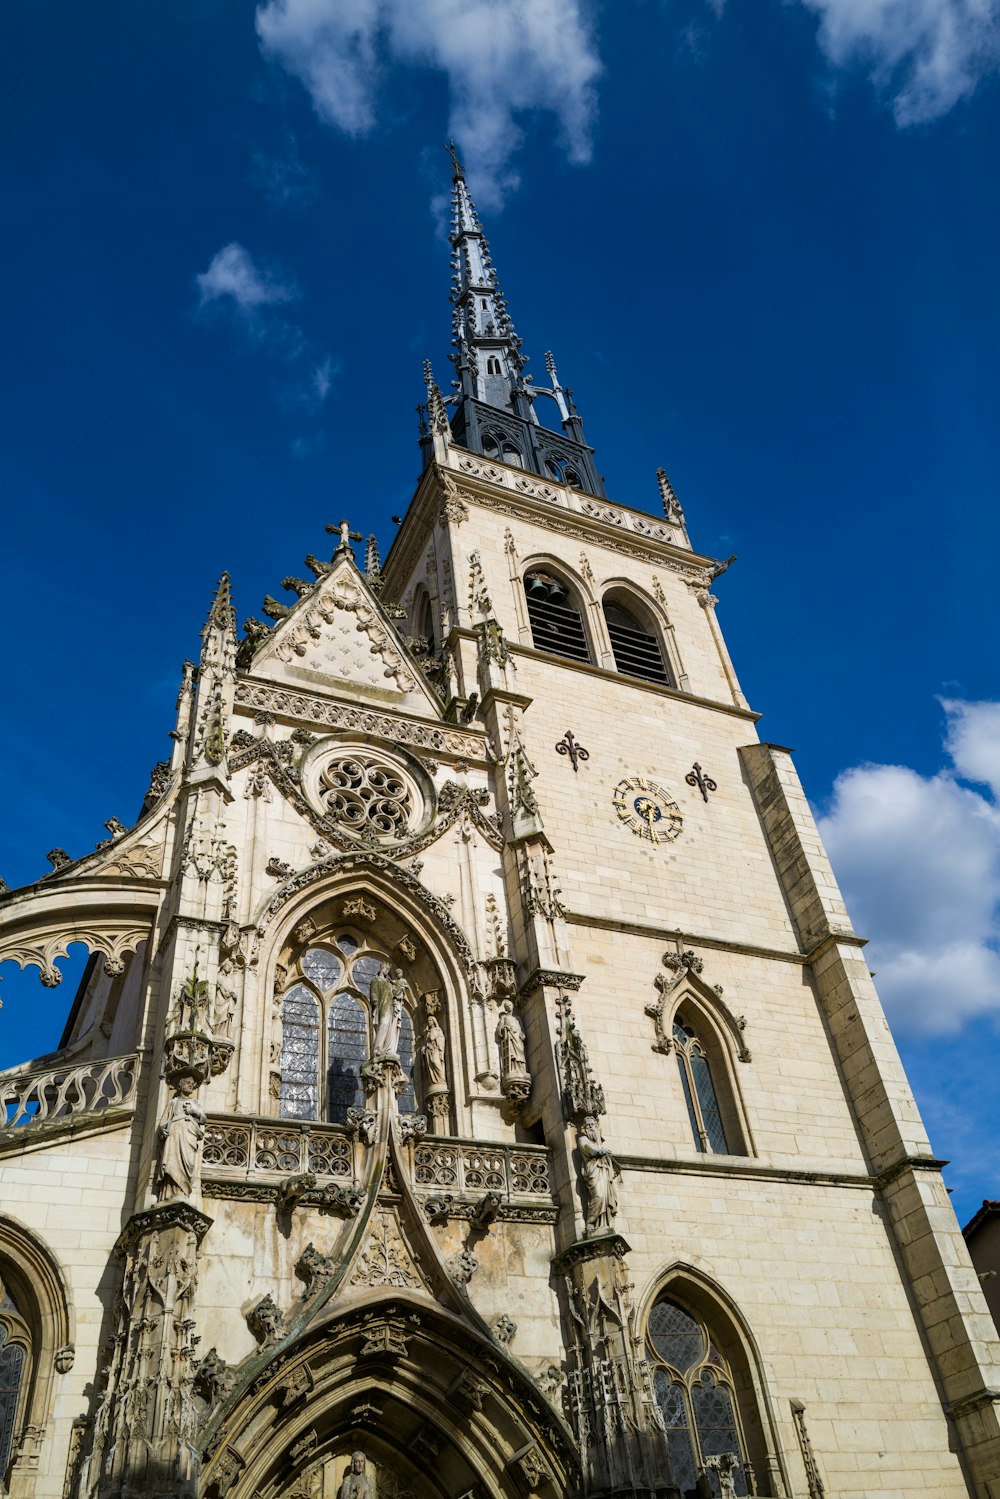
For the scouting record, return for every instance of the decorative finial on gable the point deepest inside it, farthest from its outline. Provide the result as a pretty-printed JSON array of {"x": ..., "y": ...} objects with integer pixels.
[
  {"x": 671, "y": 504},
  {"x": 346, "y": 537}
]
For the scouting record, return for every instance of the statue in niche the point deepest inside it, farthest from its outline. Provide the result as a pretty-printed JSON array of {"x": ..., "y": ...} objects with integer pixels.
[
  {"x": 357, "y": 1484},
  {"x": 182, "y": 1132},
  {"x": 509, "y": 1037},
  {"x": 433, "y": 1048},
  {"x": 224, "y": 1009},
  {"x": 387, "y": 1007},
  {"x": 600, "y": 1176}
]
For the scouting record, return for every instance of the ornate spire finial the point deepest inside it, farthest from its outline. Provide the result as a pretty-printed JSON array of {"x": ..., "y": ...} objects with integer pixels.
[
  {"x": 221, "y": 615},
  {"x": 458, "y": 171},
  {"x": 671, "y": 504},
  {"x": 373, "y": 565}
]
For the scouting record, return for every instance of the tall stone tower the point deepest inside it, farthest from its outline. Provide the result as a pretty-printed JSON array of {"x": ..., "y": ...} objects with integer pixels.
[{"x": 477, "y": 1089}]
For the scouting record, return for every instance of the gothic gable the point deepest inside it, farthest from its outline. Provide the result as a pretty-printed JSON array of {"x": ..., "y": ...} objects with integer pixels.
[{"x": 339, "y": 636}]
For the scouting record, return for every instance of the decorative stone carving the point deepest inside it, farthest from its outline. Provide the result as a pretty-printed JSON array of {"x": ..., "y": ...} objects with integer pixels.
[
  {"x": 213, "y": 1378},
  {"x": 504, "y": 1329},
  {"x": 385, "y": 1339},
  {"x": 266, "y": 1321},
  {"x": 279, "y": 869},
  {"x": 582, "y": 1094},
  {"x": 292, "y": 1191},
  {"x": 412, "y": 1128},
  {"x": 469, "y": 1391},
  {"x": 515, "y": 1080},
  {"x": 357, "y": 1482},
  {"x": 36, "y": 1096},
  {"x": 462, "y": 1266},
  {"x": 146, "y": 1422},
  {"x": 726, "y": 1465},
  {"x": 532, "y": 1468},
  {"x": 362, "y": 1124},
  {"x": 385, "y": 1260},
  {"x": 224, "y": 1008},
  {"x": 64, "y": 1358},
  {"x": 681, "y": 966},
  {"x": 181, "y": 1132},
  {"x": 295, "y": 1386},
  {"x": 315, "y": 1269},
  {"x": 600, "y": 1177}
]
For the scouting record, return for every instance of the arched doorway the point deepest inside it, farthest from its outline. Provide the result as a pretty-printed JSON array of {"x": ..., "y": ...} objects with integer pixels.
[{"x": 438, "y": 1411}]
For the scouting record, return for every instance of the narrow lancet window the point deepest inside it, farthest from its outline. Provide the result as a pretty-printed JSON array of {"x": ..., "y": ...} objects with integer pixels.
[
  {"x": 694, "y": 1389},
  {"x": 699, "y": 1092}
]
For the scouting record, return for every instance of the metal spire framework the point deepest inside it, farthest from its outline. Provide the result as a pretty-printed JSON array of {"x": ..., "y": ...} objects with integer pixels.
[{"x": 494, "y": 396}]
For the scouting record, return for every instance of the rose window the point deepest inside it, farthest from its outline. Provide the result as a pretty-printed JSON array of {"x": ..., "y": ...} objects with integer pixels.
[{"x": 363, "y": 794}]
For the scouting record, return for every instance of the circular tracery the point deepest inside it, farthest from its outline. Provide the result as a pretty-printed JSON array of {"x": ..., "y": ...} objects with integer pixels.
[{"x": 361, "y": 793}]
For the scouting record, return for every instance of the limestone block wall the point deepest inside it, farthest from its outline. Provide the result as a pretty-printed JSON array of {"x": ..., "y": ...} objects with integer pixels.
[{"x": 73, "y": 1197}]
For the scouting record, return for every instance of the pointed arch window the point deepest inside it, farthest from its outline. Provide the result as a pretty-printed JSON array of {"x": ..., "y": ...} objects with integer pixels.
[
  {"x": 634, "y": 640},
  {"x": 554, "y": 615},
  {"x": 15, "y": 1372},
  {"x": 328, "y": 1031},
  {"x": 696, "y": 1394},
  {"x": 699, "y": 1091}
]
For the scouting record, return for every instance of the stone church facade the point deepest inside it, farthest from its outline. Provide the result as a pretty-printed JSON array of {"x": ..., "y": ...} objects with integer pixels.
[{"x": 476, "y": 1089}]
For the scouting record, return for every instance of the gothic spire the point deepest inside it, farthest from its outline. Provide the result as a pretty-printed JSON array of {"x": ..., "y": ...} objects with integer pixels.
[
  {"x": 494, "y": 396},
  {"x": 487, "y": 350}
]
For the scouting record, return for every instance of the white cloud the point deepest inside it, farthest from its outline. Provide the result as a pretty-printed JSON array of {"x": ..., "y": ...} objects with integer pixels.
[
  {"x": 924, "y": 55},
  {"x": 502, "y": 59},
  {"x": 233, "y": 277},
  {"x": 919, "y": 861},
  {"x": 250, "y": 294}
]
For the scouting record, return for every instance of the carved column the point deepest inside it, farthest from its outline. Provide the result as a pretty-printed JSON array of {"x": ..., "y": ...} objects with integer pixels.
[
  {"x": 145, "y": 1426},
  {"x": 610, "y": 1397}
]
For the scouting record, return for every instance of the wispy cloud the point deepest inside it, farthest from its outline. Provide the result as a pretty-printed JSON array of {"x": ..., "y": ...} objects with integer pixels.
[
  {"x": 919, "y": 861},
  {"x": 249, "y": 295},
  {"x": 283, "y": 176},
  {"x": 502, "y": 60},
  {"x": 923, "y": 56}
]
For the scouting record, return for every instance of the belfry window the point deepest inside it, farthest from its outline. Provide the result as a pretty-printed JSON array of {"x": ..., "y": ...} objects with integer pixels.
[
  {"x": 635, "y": 643},
  {"x": 15, "y": 1350},
  {"x": 556, "y": 623},
  {"x": 493, "y": 366},
  {"x": 699, "y": 1091},
  {"x": 329, "y": 1022},
  {"x": 696, "y": 1394}
]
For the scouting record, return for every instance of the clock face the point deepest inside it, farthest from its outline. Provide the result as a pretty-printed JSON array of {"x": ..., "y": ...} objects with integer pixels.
[{"x": 648, "y": 810}]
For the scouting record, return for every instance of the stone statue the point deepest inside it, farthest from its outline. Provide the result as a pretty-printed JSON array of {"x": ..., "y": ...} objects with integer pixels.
[
  {"x": 509, "y": 1037},
  {"x": 600, "y": 1173},
  {"x": 357, "y": 1484},
  {"x": 433, "y": 1047},
  {"x": 224, "y": 1009},
  {"x": 387, "y": 1006},
  {"x": 182, "y": 1132}
]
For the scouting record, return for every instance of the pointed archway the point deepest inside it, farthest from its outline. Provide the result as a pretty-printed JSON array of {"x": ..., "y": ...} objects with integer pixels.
[{"x": 437, "y": 1410}]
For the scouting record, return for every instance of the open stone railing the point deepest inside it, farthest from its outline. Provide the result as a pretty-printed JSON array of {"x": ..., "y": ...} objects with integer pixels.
[
  {"x": 246, "y": 1147},
  {"x": 40, "y": 1095}
]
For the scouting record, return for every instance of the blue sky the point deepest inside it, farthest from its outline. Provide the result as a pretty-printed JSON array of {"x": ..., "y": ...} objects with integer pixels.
[{"x": 760, "y": 240}]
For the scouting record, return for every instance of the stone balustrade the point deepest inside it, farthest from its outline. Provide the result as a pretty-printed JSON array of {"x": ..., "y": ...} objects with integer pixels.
[
  {"x": 33, "y": 1096},
  {"x": 247, "y": 1147}
]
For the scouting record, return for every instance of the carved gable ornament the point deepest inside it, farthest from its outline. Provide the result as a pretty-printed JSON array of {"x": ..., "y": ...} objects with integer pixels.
[
  {"x": 338, "y": 630},
  {"x": 683, "y": 975}
]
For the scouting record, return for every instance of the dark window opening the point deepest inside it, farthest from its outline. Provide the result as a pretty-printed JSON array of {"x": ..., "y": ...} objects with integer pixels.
[
  {"x": 555, "y": 620},
  {"x": 637, "y": 649}
]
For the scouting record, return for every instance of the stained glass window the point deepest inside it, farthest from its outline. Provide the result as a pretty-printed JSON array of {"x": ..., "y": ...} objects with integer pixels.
[
  {"x": 327, "y": 1032},
  {"x": 13, "y": 1360},
  {"x": 300, "y": 1054},
  {"x": 693, "y": 1387},
  {"x": 347, "y": 1032},
  {"x": 700, "y": 1096}
]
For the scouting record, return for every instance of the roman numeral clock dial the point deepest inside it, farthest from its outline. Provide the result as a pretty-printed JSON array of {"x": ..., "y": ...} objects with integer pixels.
[{"x": 648, "y": 809}]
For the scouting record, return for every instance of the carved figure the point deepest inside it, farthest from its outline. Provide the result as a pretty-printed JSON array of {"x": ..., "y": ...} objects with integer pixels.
[
  {"x": 266, "y": 1321},
  {"x": 600, "y": 1173},
  {"x": 357, "y": 1484},
  {"x": 224, "y": 1009},
  {"x": 387, "y": 1005},
  {"x": 182, "y": 1132},
  {"x": 433, "y": 1048},
  {"x": 510, "y": 1041},
  {"x": 213, "y": 1378}
]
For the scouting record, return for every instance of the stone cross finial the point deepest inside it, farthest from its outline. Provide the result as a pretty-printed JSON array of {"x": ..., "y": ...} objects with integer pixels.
[{"x": 346, "y": 537}]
